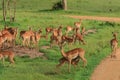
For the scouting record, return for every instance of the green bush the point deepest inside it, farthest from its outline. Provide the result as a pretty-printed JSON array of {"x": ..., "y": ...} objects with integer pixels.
[{"x": 57, "y": 6}]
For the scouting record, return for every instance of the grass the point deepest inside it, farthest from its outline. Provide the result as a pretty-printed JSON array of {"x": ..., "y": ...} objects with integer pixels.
[
  {"x": 40, "y": 16},
  {"x": 97, "y": 48},
  {"x": 83, "y": 7}
]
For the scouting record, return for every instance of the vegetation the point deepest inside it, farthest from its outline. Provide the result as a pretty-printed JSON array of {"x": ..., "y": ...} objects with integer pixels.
[
  {"x": 84, "y": 7},
  {"x": 37, "y": 14}
]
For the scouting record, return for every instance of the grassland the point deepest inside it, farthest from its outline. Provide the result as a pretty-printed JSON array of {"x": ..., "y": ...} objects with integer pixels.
[
  {"x": 83, "y": 7},
  {"x": 97, "y": 46}
]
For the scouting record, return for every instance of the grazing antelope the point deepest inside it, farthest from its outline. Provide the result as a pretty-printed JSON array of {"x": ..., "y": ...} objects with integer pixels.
[
  {"x": 56, "y": 36},
  {"x": 79, "y": 37},
  {"x": 63, "y": 60},
  {"x": 67, "y": 39},
  {"x": 9, "y": 54},
  {"x": 72, "y": 54},
  {"x": 114, "y": 44}
]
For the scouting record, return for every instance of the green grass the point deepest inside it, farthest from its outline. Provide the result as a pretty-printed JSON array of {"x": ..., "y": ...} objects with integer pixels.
[
  {"x": 97, "y": 48},
  {"x": 83, "y": 7},
  {"x": 36, "y": 13}
]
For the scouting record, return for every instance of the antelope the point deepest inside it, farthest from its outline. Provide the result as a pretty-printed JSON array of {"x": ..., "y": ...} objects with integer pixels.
[
  {"x": 3, "y": 38},
  {"x": 0, "y": 33},
  {"x": 27, "y": 36},
  {"x": 78, "y": 36},
  {"x": 10, "y": 33},
  {"x": 10, "y": 30},
  {"x": 82, "y": 30},
  {"x": 9, "y": 54},
  {"x": 78, "y": 24},
  {"x": 63, "y": 60},
  {"x": 72, "y": 54},
  {"x": 38, "y": 36},
  {"x": 69, "y": 29},
  {"x": 56, "y": 35},
  {"x": 114, "y": 44},
  {"x": 67, "y": 39},
  {"x": 48, "y": 30}
]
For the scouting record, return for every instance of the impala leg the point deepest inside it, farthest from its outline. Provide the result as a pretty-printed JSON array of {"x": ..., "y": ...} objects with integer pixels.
[
  {"x": 3, "y": 61},
  {"x": 69, "y": 65},
  {"x": 23, "y": 42},
  {"x": 84, "y": 61}
]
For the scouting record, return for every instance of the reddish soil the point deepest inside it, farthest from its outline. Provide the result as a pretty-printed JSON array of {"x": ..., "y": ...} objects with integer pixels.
[{"x": 108, "y": 69}]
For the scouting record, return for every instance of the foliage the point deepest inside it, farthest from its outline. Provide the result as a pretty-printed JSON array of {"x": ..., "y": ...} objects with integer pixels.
[{"x": 57, "y": 6}]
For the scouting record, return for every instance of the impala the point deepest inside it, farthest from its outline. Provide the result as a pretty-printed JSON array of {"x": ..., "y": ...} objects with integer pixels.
[
  {"x": 9, "y": 54},
  {"x": 63, "y": 60},
  {"x": 72, "y": 54},
  {"x": 78, "y": 24},
  {"x": 114, "y": 44}
]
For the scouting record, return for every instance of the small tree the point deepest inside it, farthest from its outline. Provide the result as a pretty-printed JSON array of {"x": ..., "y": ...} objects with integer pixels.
[
  {"x": 64, "y": 3},
  {"x": 4, "y": 10},
  {"x": 7, "y": 6},
  {"x": 12, "y": 18}
]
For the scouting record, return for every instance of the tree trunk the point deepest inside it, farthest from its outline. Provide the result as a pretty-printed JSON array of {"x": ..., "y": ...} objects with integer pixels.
[
  {"x": 64, "y": 2},
  {"x": 4, "y": 11},
  {"x": 14, "y": 10}
]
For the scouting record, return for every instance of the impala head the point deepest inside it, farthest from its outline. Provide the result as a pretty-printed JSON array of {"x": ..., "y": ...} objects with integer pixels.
[
  {"x": 40, "y": 30},
  {"x": 60, "y": 27},
  {"x": 114, "y": 34}
]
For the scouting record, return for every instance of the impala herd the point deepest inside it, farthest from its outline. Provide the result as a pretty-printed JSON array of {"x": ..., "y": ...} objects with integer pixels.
[{"x": 30, "y": 37}]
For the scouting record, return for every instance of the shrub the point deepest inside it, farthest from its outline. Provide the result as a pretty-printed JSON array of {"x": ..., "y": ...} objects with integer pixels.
[{"x": 57, "y": 6}]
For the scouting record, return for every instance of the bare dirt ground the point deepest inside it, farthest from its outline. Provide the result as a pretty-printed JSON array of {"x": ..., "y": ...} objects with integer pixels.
[
  {"x": 109, "y": 19},
  {"x": 25, "y": 51},
  {"x": 108, "y": 69}
]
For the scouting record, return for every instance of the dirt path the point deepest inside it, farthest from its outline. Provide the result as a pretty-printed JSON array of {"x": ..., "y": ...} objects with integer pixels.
[
  {"x": 110, "y": 19},
  {"x": 108, "y": 69}
]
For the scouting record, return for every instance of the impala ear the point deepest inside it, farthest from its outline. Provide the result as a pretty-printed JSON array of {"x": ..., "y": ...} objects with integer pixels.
[{"x": 61, "y": 26}]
